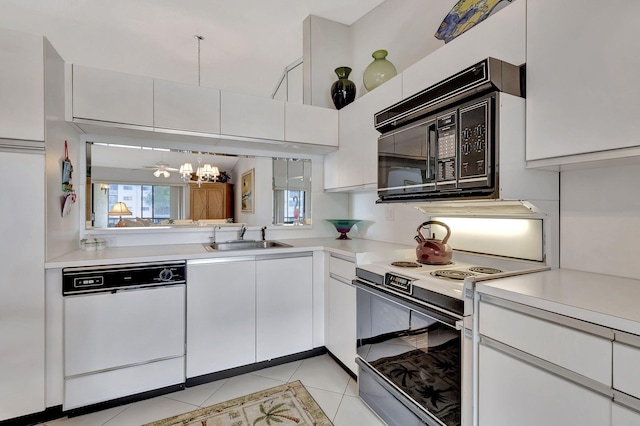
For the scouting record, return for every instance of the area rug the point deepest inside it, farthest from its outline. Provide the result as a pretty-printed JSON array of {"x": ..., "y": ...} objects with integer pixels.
[{"x": 288, "y": 404}]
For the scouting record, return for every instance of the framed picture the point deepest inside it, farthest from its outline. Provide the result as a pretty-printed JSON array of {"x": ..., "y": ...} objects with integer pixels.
[{"x": 247, "y": 190}]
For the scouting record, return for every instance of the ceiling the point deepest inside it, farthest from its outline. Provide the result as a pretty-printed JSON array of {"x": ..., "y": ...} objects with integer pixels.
[{"x": 247, "y": 43}]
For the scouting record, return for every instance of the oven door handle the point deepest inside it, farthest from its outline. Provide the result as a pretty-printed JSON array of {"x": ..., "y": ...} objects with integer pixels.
[{"x": 430, "y": 311}]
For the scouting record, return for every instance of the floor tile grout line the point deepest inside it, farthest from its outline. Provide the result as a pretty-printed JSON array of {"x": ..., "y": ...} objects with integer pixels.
[{"x": 333, "y": 420}]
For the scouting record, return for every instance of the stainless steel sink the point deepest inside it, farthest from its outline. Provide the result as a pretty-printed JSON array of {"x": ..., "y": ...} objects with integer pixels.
[{"x": 243, "y": 245}]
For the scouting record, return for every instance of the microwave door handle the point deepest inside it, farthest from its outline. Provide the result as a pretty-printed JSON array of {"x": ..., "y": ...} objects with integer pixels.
[{"x": 432, "y": 140}]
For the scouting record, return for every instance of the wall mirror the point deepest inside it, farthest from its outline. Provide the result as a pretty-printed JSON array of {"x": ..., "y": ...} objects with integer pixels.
[
  {"x": 136, "y": 175},
  {"x": 150, "y": 183}
]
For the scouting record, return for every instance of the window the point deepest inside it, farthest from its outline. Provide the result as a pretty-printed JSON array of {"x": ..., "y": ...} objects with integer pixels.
[{"x": 144, "y": 201}]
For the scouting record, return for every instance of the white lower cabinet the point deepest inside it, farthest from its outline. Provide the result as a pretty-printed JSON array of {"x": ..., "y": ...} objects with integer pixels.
[
  {"x": 537, "y": 367},
  {"x": 22, "y": 305},
  {"x": 341, "y": 312},
  {"x": 221, "y": 324},
  {"x": 342, "y": 322},
  {"x": 284, "y": 301},
  {"x": 515, "y": 392}
]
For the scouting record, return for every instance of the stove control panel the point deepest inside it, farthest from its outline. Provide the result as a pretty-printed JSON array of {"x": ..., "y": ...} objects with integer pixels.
[{"x": 398, "y": 283}]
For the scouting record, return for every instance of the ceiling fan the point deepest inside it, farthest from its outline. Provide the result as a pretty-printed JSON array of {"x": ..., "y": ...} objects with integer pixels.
[{"x": 161, "y": 169}]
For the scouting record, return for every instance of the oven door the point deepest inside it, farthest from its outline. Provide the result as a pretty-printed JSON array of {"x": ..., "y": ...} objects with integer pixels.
[{"x": 409, "y": 359}]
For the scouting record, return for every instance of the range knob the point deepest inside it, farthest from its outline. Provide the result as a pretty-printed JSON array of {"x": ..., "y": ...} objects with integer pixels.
[{"x": 166, "y": 274}]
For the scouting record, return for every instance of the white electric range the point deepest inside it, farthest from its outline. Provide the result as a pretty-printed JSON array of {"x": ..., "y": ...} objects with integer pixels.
[{"x": 414, "y": 317}]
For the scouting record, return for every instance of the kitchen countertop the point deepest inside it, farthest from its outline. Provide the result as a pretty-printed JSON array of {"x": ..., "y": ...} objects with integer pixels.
[
  {"x": 601, "y": 299},
  {"x": 159, "y": 253}
]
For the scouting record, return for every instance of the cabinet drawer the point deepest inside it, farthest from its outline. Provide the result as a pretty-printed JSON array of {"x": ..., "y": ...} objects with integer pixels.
[
  {"x": 584, "y": 353},
  {"x": 626, "y": 375},
  {"x": 341, "y": 267}
]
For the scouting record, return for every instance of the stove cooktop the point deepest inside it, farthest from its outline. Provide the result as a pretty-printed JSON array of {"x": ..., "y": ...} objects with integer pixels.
[{"x": 447, "y": 279}]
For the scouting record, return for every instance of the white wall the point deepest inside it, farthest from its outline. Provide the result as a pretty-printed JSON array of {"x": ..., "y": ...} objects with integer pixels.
[
  {"x": 600, "y": 220},
  {"x": 394, "y": 223},
  {"x": 62, "y": 232},
  {"x": 405, "y": 28}
]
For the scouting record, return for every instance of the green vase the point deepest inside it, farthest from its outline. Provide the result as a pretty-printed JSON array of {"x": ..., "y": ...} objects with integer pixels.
[{"x": 378, "y": 71}]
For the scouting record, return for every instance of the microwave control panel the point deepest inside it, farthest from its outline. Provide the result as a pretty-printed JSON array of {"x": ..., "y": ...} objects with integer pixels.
[
  {"x": 474, "y": 150},
  {"x": 447, "y": 149}
]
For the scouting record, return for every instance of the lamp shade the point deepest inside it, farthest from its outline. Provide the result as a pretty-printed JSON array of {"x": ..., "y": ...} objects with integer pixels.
[
  {"x": 186, "y": 169},
  {"x": 119, "y": 209}
]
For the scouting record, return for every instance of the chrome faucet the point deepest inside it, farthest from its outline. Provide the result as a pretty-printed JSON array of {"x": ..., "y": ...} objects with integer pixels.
[
  {"x": 243, "y": 229},
  {"x": 215, "y": 228}
]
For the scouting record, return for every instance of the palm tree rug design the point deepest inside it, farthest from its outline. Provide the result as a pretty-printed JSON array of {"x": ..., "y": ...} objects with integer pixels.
[{"x": 288, "y": 404}]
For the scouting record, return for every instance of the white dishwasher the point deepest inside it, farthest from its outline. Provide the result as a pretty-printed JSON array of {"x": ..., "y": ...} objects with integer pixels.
[{"x": 124, "y": 333}]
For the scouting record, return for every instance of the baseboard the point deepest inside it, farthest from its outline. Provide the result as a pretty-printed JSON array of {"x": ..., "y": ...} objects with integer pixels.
[
  {"x": 212, "y": 377},
  {"x": 124, "y": 400},
  {"x": 51, "y": 413},
  {"x": 344, "y": 367}
]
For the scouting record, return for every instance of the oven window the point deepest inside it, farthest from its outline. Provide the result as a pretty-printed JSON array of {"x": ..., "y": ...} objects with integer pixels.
[{"x": 419, "y": 355}]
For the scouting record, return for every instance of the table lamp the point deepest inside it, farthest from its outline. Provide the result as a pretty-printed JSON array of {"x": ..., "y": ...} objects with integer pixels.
[{"x": 119, "y": 209}]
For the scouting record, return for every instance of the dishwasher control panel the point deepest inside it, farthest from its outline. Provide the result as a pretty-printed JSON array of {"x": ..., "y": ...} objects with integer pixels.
[{"x": 94, "y": 279}]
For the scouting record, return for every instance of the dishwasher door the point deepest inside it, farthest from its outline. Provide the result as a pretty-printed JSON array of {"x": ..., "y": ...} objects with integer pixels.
[{"x": 123, "y": 343}]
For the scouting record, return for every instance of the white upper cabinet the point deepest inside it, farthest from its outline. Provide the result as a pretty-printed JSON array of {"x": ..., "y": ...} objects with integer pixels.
[
  {"x": 251, "y": 116},
  {"x": 310, "y": 124},
  {"x": 21, "y": 86},
  {"x": 179, "y": 106},
  {"x": 501, "y": 36},
  {"x": 582, "y": 80},
  {"x": 355, "y": 164},
  {"x": 113, "y": 97}
]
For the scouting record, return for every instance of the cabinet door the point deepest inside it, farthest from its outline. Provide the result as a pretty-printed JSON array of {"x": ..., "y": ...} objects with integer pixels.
[
  {"x": 220, "y": 315},
  {"x": 582, "y": 90},
  {"x": 22, "y": 307},
  {"x": 310, "y": 124},
  {"x": 514, "y": 392},
  {"x": 216, "y": 203},
  {"x": 341, "y": 335},
  {"x": 198, "y": 203},
  {"x": 21, "y": 86},
  {"x": 356, "y": 162},
  {"x": 284, "y": 306},
  {"x": 185, "y": 107},
  {"x": 211, "y": 201},
  {"x": 251, "y": 116},
  {"x": 112, "y": 96}
]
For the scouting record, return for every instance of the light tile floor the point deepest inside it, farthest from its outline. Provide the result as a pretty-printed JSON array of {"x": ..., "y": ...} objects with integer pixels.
[{"x": 333, "y": 389}]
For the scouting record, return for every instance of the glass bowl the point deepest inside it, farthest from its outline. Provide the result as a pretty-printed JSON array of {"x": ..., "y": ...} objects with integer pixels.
[{"x": 343, "y": 226}]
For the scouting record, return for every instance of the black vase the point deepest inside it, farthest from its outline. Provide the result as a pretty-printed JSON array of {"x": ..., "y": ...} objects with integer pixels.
[{"x": 343, "y": 91}]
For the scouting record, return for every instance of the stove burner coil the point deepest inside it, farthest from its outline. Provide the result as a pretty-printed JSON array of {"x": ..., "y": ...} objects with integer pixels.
[
  {"x": 485, "y": 270},
  {"x": 452, "y": 274},
  {"x": 404, "y": 264}
]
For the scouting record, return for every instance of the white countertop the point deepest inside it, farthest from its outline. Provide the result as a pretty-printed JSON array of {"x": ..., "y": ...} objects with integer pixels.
[
  {"x": 159, "y": 253},
  {"x": 601, "y": 299}
]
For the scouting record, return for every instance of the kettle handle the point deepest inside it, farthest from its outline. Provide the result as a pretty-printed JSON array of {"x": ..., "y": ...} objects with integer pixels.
[{"x": 435, "y": 222}]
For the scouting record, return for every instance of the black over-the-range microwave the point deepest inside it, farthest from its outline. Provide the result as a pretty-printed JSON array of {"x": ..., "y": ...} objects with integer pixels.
[{"x": 442, "y": 143}]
